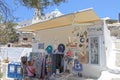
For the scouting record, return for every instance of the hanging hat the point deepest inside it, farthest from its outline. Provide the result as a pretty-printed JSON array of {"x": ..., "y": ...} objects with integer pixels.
[
  {"x": 49, "y": 49},
  {"x": 61, "y": 48}
]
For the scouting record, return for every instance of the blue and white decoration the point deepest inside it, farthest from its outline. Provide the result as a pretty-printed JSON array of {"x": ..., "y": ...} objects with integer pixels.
[{"x": 77, "y": 65}]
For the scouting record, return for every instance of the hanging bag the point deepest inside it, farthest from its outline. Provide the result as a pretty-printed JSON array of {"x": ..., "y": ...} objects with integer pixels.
[{"x": 34, "y": 74}]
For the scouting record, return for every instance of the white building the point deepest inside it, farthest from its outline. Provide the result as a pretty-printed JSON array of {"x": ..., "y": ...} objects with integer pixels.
[
  {"x": 81, "y": 28},
  {"x": 25, "y": 38}
]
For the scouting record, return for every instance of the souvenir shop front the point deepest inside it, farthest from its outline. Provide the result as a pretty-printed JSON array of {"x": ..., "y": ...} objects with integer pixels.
[{"x": 70, "y": 46}]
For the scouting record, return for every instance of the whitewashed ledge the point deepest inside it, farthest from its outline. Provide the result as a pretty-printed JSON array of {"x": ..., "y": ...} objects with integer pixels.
[
  {"x": 79, "y": 78},
  {"x": 106, "y": 75},
  {"x": 76, "y": 78},
  {"x": 72, "y": 77}
]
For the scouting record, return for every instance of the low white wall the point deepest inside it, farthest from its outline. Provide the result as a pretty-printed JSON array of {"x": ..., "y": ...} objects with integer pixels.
[{"x": 93, "y": 70}]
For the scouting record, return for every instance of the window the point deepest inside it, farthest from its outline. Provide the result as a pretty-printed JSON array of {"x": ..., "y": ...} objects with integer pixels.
[{"x": 25, "y": 39}]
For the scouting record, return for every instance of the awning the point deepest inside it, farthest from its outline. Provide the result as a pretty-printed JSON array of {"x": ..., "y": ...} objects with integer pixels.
[{"x": 84, "y": 16}]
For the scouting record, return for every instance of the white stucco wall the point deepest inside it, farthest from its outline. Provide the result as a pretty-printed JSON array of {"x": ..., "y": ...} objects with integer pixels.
[
  {"x": 109, "y": 48},
  {"x": 59, "y": 35}
]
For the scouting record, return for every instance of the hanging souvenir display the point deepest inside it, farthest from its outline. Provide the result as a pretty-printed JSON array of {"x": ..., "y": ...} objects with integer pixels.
[
  {"x": 69, "y": 40},
  {"x": 83, "y": 57},
  {"x": 70, "y": 60},
  {"x": 69, "y": 53},
  {"x": 76, "y": 54},
  {"x": 81, "y": 35},
  {"x": 85, "y": 33},
  {"x": 77, "y": 33},
  {"x": 73, "y": 45},
  {"x": 57, "y": 62},
  {"x": 80, "y": 45},
  {"x": 87, "y": 40},
  {"x": 49, "y": 49},
  {"x": 55, "y": 51},
  {"x": 61, "y": 48},
  {"x": 72, "y": 42},
  {"x": 38, "y": 67},
  {"x": 77, "y": 65},
  {"x": 82, "y": 40},
  {"x": 49, "y": 65},
  {"x": 65, "y": 59},
  {"x": 40, "y": 45}
]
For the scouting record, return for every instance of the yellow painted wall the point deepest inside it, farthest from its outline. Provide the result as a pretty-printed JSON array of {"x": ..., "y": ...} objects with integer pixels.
[{"x": 59, "y": 35}]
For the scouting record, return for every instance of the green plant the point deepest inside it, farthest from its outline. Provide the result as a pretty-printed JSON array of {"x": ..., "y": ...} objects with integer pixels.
[{"x": 1, "y": 74}]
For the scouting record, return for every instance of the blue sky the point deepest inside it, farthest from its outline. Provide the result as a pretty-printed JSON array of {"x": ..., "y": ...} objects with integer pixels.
[{"x": 103, "y": 8}]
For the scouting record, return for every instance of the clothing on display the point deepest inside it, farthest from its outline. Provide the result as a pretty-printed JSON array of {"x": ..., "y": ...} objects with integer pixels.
[
  {"x": 47, "y": 64},
  {"x": 57, "y": 62}
]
